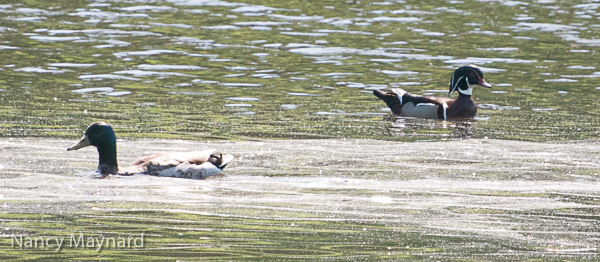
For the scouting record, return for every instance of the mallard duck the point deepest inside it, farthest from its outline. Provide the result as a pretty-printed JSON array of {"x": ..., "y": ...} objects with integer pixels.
[
  {"x": 406, "y": 104},
  {"x": 195, "y": 165}
]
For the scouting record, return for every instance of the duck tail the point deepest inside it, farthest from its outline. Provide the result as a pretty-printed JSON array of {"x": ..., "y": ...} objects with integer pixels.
[
  {"x": 380, "y": 94},
  {"x": 220, "y": 160},
  {"x": 392, "y": 99}
]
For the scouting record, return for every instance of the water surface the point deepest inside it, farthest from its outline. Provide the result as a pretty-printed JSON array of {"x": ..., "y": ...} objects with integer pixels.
[
  {"x": 337, "y": 199},
  {"x": 242, "y": 71},
  {"x": 173, "y": 66}
]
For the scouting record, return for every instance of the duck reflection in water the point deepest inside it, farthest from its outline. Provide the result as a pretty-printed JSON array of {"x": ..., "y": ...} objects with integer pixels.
[{"x": 460, "y": 128}]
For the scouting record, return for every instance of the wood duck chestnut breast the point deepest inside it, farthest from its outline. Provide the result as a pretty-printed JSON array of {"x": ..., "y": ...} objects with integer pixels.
[{"x": 406, "y": 104}]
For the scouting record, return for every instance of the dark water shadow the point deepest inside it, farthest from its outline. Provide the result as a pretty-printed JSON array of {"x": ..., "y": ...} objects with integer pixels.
[{"x": 438, "y": 130}]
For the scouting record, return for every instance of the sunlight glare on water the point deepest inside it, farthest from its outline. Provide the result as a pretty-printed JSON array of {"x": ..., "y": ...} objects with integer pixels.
[
  {"x": 325, "y": 57},
  {"x": 346, "y": 181}
]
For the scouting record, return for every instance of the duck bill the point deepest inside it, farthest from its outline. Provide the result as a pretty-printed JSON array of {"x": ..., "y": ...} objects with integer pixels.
[
  {"x": 484, "y": 83},
  {"x": 82, "y": 143}
]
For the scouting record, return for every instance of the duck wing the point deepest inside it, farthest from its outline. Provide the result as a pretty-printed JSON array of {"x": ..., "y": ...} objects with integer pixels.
[
  {"x": 191, "y": 171},
  {"x": 195, "y": 165},
  {"x": 153, "y": 164},
  {"x": 176, "y": 158},
  {"x": 213, "y": 166},
  {"x": 406, "y": 104}
]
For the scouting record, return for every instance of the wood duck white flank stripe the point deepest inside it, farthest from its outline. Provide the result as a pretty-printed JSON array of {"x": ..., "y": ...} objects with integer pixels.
[{"x": 406, "y": 104}]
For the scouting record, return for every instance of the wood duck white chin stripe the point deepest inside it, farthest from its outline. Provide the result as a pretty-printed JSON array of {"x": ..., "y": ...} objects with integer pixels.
[
  {"x": 403, "y": 103},
  {"x": 468, "y": 91}
]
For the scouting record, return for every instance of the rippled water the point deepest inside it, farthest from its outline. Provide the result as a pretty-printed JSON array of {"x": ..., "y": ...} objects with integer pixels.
[
  {"x": 242, "y": 71},
  {"x": 169, "y": 68},
  {"x": 335, "y": 199}
]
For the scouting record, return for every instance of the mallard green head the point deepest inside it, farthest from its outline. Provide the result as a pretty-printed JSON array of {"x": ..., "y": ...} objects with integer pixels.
[{"x": 100, "y": 135}]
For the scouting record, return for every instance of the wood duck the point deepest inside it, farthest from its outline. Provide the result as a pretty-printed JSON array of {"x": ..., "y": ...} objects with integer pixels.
[
  {"x": 403, "y": 103},
  {"x": 195, "y": 165}
]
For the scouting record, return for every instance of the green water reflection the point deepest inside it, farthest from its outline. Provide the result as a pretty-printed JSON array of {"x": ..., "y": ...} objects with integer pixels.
[
  {"x": 530, "y": 60},
  {"x": 197, "y": 237}
]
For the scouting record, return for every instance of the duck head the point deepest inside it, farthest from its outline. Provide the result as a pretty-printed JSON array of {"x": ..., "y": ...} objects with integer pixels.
[
  {"x": 464, "y": 77},
  {"x": 102, "y": 136},
  {"x": 99, "y": 134}
]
